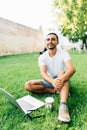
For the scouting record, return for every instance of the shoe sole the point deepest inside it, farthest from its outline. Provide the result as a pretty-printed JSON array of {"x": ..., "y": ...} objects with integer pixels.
[{"x": 63, "y": 119}]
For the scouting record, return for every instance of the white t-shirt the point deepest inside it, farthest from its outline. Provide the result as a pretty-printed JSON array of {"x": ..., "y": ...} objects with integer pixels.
[{"x": 56, "y": 63}]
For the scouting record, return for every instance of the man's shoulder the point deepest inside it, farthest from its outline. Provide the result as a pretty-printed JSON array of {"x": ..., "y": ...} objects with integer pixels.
[{"x": 62, "y": 51}]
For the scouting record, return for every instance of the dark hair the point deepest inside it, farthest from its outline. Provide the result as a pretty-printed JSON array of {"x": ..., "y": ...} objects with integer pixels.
[{"x": 53, "y": 34}]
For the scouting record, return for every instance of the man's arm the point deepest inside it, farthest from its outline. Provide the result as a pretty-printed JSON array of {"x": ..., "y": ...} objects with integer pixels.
[
  {"x": 69, "y": 72},
  {"x": 54, "y": 81},
  {"x": 45, "y": 75}
]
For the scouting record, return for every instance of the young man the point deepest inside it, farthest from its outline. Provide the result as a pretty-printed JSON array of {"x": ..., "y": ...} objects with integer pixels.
[{"x": 56, "y": 69}]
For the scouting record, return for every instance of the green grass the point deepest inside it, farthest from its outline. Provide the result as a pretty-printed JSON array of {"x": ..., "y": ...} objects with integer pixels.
[{"x": 15, "y": 70}]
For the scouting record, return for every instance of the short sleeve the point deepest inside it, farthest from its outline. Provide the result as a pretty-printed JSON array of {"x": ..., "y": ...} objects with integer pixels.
[
  {"x": 41, "y": 60},
  {"x": 66, "y": 56}
]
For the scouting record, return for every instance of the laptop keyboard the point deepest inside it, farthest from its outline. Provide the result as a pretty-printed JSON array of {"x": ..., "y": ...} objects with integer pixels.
[{"x": 27, "y": 106}]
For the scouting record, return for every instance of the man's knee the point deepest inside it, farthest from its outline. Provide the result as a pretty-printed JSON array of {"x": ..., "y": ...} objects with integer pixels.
[
  {"x": 28, "y": 86},
  {"x": 61, "y": 73}
]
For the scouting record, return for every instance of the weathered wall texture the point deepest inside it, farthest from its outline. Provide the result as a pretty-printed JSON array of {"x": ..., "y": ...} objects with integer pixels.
[{"x": 16, "y": 38}]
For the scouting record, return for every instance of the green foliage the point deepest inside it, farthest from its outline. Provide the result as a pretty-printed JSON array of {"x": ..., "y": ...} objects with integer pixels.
[
  {"x": 15, "y": 70},
  {"x": 74, "y": 18}
]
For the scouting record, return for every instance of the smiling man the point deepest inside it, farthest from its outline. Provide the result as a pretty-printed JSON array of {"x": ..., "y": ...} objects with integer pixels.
[{"x": 56, "y": 68}]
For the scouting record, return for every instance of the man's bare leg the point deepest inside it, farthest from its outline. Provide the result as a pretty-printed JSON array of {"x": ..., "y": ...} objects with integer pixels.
[
  {"x": 63, "y": 114},
  {"x": 37, "y": 87},
  {"x": 64, "y": 93}
]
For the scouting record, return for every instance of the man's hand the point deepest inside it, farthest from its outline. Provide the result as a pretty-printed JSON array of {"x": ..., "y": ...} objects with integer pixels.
[{"x": 58, "y": 84}]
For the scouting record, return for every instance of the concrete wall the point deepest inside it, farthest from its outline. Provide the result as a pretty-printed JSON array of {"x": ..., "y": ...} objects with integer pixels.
[{"x": 16, "y": 38}]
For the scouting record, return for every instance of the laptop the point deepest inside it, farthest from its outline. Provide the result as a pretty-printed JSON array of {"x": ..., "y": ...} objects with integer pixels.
[{"x": 27, "y": 103}]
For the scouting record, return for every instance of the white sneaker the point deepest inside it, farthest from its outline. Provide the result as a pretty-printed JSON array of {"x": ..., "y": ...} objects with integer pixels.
[{"x": 63, "y": 113}]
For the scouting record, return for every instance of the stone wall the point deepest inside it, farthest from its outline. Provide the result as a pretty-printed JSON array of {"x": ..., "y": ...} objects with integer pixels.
[{"x": 16, "y": 38}]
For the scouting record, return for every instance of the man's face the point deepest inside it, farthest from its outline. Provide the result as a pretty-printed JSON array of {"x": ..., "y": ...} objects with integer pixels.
[{"x": 51, "y": 42}]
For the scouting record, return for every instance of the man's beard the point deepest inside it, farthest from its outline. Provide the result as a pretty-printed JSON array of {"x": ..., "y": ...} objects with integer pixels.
[{"x": 51, "y": 48}]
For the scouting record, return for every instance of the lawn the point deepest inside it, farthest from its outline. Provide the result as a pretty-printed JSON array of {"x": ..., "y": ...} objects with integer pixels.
[{"x": 15, "y": 70}]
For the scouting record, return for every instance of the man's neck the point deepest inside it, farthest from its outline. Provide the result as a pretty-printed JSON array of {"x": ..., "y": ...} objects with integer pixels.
[{"x": 52, "y": 52}]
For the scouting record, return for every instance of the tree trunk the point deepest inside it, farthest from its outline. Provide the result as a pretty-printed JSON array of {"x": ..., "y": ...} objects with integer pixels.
[{"x": 84, "y": 44}]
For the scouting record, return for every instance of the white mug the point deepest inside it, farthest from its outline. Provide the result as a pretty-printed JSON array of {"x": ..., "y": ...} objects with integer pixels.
[{"x": 49, "y": 102}]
